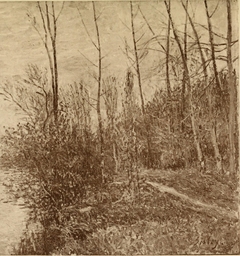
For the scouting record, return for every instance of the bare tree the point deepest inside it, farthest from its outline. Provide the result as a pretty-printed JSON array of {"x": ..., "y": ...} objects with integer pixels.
[
  {"x": 99, "y": 79},
  {"x": 232, "y": 110},
  {"x": 207, "y": 85},
  {"x": 232, "y": 89},
  {"x": 166, "y": 51},
  {"x": 137, "y": 60},
  {"x": 111, "y": 103},
  {"x": 211, "y": 40},
  {"x": 184, "y": 80},
  {"x": 188, "y": 82},
  {"x": 30, "y": 96},
  {"x": 167, "y": 73},
  {"x": 140, "y": 84},
  {"x": 49, "y": 24},
  {"x": 98, "y": 47}
]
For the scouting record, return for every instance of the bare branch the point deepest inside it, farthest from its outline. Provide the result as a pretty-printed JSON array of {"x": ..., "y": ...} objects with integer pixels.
[
  {"x": 85, "y": 27},
  {"x": 60, "y": 11},
  {"x": 88, "y": 59},
  {"x": 215, "y": 33},
  {"x": 48, "y": 21},
  {"x": 215, "y": 9},
  {"x": 150, "y": 28},
  {"x": 100, "y": 125},
  {"x": 46, "y": 43},
  {"x": 137, "y": 59},
  {"x": 124, "y": 24},
  {"x": 8, "y": 94},
  {"x": 140, "y": 38}
]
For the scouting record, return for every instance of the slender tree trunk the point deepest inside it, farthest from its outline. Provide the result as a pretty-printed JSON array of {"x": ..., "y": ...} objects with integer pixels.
[
  {"x": 168, "y": 75},
  {"x": 100, "y": 123},
  {"x": 211, "y": 40},
  {"x": 45, "y": 41},
  {"x": 140, "y": 88},
  {"x": 232, "y": 110},
  {"x": 111, "y": 100},
  {"x": 49, "y": 22},
  {"x": 82, "y": 119},
  {"x": 167, "y": 58},
  {"x": 188, "y": 82},
  {"x": 232, "y": 91},
  {"x": 213, "y": 134},
  {"x": 184, "y": 72},
  {"x": 137, "y": 61},
  {"x": 54, "y": 46}
]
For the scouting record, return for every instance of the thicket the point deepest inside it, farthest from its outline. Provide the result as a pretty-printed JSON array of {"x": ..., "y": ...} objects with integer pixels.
[{"x": 86, "y": 191}]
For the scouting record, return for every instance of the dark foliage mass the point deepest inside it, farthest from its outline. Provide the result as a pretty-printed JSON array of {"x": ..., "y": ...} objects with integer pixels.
[{"x": 90, "y": 187}]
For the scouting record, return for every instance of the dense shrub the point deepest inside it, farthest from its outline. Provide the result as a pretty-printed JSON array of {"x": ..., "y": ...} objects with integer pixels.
[{"x": 59, "y": 170}]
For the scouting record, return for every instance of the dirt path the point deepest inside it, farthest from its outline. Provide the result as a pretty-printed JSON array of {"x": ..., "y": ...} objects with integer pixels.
[{"x": 210, "y": 209}]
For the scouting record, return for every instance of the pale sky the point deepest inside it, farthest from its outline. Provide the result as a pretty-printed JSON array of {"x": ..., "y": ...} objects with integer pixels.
[{"x": 20, "y": 44}]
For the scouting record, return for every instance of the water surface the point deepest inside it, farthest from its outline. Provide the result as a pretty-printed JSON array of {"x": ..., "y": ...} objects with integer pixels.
[{"x": 12, "y": 216}]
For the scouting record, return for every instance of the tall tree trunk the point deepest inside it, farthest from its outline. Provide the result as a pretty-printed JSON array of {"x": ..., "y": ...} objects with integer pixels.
[
  {"x": 100, "y": 123},
  {"x": 55, "y": 64},
  {"x": 232, "y": 90},
  {"x": 111, "y": 103},
  {"x": 188, "y": 82},
  {"x": 218, "y": 157},
  {"x": 184, "y": 72},
  {"x": 170, "y": 115},
  {"x": 232, "y": 111},
  {"x": 211, "y": 40},
  {"x": 137, "y": 61},
  {"x": 49, "y": 23},
  {"x": 140, "y": 88}
]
